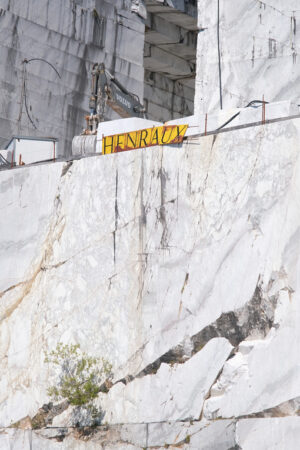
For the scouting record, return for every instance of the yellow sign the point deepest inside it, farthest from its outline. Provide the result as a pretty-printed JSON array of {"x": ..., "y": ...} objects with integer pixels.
[{"x": 169, "y": 134}]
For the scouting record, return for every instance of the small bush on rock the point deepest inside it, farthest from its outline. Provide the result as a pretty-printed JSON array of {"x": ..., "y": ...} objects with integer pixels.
[{"x": 80, "y": 376}]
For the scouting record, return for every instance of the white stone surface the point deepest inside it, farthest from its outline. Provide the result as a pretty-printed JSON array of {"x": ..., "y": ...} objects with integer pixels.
[
  {"x": 262, "y": 434},
  {"x": 102, "y": 249},
  {"x": 11, "y": 439},
  {"x": 259, "y": 43}
]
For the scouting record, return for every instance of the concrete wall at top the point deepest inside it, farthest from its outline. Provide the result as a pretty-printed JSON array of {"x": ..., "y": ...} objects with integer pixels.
[
  {"x": 71, "y": 35},
  {"x": 259, "y": 42},
  {"x": 166, "y": 99},
  {"x": 170, "y": 59}
]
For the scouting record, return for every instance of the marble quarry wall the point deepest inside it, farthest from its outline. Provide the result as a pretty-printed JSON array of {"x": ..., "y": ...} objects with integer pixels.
[
  {"x": 71, "y": 35},
  {"x": 259, "y": 52},
  {"x": 180, "y": 265}
]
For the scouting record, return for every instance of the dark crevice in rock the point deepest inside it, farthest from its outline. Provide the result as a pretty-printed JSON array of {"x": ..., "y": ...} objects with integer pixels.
[
  {"x": 116, "y": 201},
  {"x": 105, "y": 387},
  {"x": 162, "y": 211},
  {"x": 214, "y": 140},
  {"x": 103, "y": 436},
  {"x": 116, "y": 215},
  {"x": 236, "y": 446},
  {"x": 142, "y": 227},
  {"x": 66, "y": 168},
  {"x": 185, "y": 282},
  {"x": 254, "y": 319},
  {"x": 208, "y": 393},
  {"x": 54, "y": 266},
  {"x": 60, "y": 435},
  {"x": 114, "y": 245},
  {"x": 46, "y": 414},
  {"x": 86, "y": 433},
  {"x": 43, "y": 418},
  {"x": 288, "y": 408}
]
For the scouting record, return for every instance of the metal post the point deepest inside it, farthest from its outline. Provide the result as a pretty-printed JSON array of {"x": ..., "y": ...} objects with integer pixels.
[
  {"x": 205, "y": 127},
  {"x": 263, "y": 110}
]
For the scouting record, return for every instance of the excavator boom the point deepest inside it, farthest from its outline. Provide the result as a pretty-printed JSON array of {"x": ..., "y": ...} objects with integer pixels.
[{"x": 106, "y": 90}]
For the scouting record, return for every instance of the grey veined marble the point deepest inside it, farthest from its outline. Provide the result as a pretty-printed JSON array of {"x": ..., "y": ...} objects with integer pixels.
[{"x": 179, "y": 265}]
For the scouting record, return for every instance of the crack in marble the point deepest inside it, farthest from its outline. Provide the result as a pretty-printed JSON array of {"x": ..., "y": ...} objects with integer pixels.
[
  {"x": 285, "y": 409},
  {"x": 256, "y": 317},
  {"x": 208, "y": 394}
]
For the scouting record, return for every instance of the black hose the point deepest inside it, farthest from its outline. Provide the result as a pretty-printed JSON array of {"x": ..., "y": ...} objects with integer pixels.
[
  {"x": 26, "y": 61},
  {"x": 25, "y": 98},
  {"x": 238, "y": 113},
  {"x": 44, "y": 60},
  {"x": 228, "y": 121},
  {"x": 256, "y": 101}
]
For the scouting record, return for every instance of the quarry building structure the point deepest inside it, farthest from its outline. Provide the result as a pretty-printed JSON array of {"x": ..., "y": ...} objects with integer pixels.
[
  {"x": 175, "y": 257},
  {"x": 177, "y": 56},
  {"x": 150, "y": 47}
]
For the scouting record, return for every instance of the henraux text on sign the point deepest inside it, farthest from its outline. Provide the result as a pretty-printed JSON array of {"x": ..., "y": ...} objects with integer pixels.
[{"x": 170, "y": 134}]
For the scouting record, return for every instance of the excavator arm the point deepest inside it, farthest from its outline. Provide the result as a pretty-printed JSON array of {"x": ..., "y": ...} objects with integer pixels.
[{"x": 106, "y": 90}]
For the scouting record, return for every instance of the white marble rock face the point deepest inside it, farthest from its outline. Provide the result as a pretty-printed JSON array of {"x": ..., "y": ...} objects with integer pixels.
[{"x": 186, "y": 257}]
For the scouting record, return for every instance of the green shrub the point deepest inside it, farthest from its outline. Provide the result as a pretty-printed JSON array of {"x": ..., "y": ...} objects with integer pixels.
[{"x": 80, "y": 375}]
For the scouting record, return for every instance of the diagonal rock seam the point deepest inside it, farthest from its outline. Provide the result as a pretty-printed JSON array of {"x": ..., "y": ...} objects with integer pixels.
[
  {"x": 66, "y": 168},
  {"x": 255, "y": 318},
  {"x": 288, "y": 408}
]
